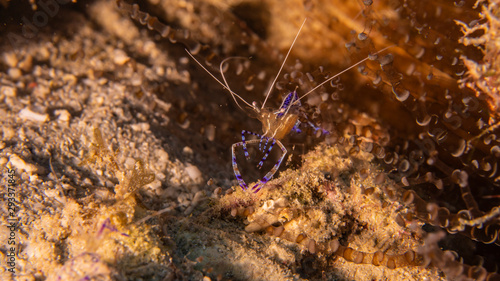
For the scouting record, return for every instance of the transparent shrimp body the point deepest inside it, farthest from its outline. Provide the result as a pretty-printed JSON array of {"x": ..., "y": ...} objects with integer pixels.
[{"x": 275, "y": 126}]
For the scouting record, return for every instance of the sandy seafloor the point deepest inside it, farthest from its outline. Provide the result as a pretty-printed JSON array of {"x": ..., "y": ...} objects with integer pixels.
[{"x": 94, "y": 70}]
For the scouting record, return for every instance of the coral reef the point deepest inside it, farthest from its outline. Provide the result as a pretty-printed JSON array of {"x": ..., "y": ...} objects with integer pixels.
[{"x": 412, "y": 148}]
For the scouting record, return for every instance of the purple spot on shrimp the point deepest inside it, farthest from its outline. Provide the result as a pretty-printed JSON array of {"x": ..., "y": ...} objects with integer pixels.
[{"x": 287, "y": 102}]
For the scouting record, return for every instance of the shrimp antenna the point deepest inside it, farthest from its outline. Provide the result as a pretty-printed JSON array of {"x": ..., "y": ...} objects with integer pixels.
[
  {"x": 282, "y": 65},
  {"x": 221, "y": 66},
  {"x": 340, "y": 73},
  {"x": 225, "y": 86}
]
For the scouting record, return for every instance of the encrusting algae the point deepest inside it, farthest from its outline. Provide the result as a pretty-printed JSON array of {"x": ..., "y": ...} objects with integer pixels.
[
  {"x": 330, "y": 208},
  {"x": 102, "y": 240},
  {"x": 332, "y": 212}
]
